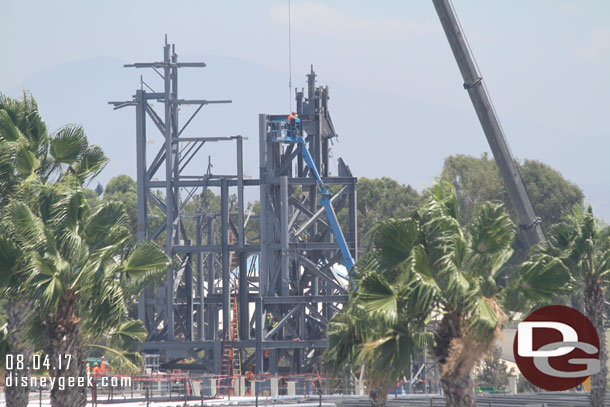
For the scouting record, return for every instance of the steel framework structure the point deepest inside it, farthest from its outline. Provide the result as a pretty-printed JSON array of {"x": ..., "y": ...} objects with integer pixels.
[{"x": 284, "y": 306}]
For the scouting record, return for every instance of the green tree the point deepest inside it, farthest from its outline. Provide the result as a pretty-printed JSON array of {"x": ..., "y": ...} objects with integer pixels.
[
  {"x": 28, "y": 152},
  {"x": 457, "y": 269},
  {"x": 477, "y": 180},
  {"x": 379, "y": 330},
  {"x": 494, "y": 371},
  {"x": 70, "y": 262},
  {"x": 33, "y": 164},
  {"x": 123, "y": 188},
  {"x": 579, "y": 243},
  {"x": 380, "y": 199}
]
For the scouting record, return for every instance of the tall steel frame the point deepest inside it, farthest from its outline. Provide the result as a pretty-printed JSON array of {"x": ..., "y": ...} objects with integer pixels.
[{"x": 285, "y": 303}]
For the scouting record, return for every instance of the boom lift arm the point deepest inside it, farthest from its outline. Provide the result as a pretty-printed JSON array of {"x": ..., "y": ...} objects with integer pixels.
[
  {"x": 473, "y": 83},
  {"x": 293, "y": 134}
]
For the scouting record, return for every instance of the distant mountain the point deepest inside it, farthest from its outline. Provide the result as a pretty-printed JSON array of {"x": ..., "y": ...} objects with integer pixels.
[{"x": 380, "y": 134}]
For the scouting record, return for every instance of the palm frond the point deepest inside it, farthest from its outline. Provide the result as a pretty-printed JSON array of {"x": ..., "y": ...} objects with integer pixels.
[
  {"x": 28, "y": 230},
  {"x": 128, "y": 334},
  {"x": 146, "y": 257},
  {"x": 491, "y": 230},
  {"x": 393, "y": 240},
  {"x": 378, "y": 297},
  {"x": 91, "y": 163},
  {"x": 8, "y": 129},
  {"x": 68, "y": 144}
]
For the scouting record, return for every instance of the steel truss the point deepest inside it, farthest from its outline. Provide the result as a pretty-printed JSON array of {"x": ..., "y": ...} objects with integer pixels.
[{"x": 284, "y": 306}]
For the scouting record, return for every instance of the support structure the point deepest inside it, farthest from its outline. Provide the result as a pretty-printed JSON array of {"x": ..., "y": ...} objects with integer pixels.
[
  {"x": 299, "y": 290},
  {"x": 284, "y": 281}
]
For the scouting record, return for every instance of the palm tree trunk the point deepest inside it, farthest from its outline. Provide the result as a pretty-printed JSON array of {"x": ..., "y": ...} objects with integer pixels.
[
  {"x": 17, "y": 395},
  {"x": 379, "y": 394},
  {"x": 63, "y": 335},
  {"x": 455, "y": 362},
  {"x": 458, "y": 389},
  {"x": 594, "y": 309}
]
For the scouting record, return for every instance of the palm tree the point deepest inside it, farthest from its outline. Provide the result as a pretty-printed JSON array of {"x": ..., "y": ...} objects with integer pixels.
[
  {"x": 23, "y": 141},
  {"x": 381, "y": 328},
  {"x": 71, "y": 263},
  {"x": 28, "y": 152},
  {"x": 30, "y": 160},
  {"x": 579, "y": 244},
  {"x": 455, "y": 272},
  {"x": 378, "y": 333}
]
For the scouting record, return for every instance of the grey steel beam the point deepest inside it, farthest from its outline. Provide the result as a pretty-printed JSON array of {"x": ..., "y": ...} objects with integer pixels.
[
  {"x": 188, "y": 287},
  {"x": 244, "y": 313},
  {"x": 169, "y": 201},
  {"x": 284, "y": 236},
  {"x": 199, "y": 102},
  {"x": 187, "y": 183},
  {"x": 281, "y": 323},
  {"x": 226, "y": 276},
  {"x": 200, "y": 280},
  {"x": 212, "y": 314},
  {"x": 306, "y": 299},
  {"x": 473, "y": 83},
  {"x": 216, "y": 248},
  {"x": 264, "y": 212},
  {"x": 259, "y": 331}
]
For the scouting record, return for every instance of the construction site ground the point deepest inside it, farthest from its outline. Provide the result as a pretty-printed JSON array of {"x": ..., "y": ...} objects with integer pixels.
[{"x": 504, "y": 400}]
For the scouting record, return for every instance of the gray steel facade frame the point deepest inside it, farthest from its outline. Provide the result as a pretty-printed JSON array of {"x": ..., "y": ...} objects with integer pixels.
[{"x": 284, "y": 308}]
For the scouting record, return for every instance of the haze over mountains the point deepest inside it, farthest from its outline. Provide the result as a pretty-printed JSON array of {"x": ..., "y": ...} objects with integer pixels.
[{"x": 380, "y": 134}]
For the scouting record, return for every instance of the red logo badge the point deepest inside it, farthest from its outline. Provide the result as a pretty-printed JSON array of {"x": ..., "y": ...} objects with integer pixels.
[{"x": 556, "y": 348}]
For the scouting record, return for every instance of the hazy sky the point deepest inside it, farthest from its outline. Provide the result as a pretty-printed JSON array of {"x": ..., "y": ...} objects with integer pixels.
[{"x": 545, "y": 62}]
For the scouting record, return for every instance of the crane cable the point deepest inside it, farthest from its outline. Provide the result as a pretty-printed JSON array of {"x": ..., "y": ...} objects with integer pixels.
[{"x": 289, "y": 59}]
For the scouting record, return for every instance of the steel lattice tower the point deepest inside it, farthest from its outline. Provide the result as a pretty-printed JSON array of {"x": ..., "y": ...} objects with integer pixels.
[{"x": 293, "y": 286}]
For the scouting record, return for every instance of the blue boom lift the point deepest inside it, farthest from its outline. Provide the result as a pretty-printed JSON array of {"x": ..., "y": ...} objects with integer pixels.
[{"x": 291, "y": 133}]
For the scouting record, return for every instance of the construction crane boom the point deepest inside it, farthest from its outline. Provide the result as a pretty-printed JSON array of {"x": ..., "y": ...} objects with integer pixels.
[{"x": 473, "y": 83}]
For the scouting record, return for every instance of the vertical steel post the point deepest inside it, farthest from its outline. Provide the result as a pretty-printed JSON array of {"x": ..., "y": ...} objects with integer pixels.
[
  {"x": 212, "y": 309},
  {"x": 169, "y": 201},
  {"x": 244, "y": 314},
  {"x": 200, "y": 279},
  {"x": 142, "y": 191},
  {"x": 226, "y": 276},
  {"x": 260, "y": 330},
  {"x": 264, "y": 188},
  {"x": 188, "y": 287},
  {"x": 473, "y": 83},
  {"x": 284, "y": 236}
]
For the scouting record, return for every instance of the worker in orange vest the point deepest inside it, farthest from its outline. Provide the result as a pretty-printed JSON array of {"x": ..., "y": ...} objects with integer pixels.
[
  {"x": 105, "y": 366},
  {"x": 291, "y": 124},
  {"x": 291, "y": 117},
  {"x": 96, "y": 371}
]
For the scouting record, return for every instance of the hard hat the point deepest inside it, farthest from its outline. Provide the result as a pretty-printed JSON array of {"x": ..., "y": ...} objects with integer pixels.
[{"x": 95, "y": 364}]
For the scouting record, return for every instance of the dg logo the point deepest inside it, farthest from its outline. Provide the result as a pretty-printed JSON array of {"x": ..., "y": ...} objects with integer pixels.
[{"x": 556, "y": 348}]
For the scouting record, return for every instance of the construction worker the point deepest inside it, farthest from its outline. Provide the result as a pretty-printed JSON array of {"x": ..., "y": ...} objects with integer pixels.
[
  {"x": 105, "y": 366},
  {"x": 96, "y": 372},
  {"x": 291, "y": 117},
  {"x": 270, "y": 323},
  {"x": 291, "y": 124}
]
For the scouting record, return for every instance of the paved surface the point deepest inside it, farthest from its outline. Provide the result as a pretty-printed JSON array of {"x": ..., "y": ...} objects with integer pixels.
[{"x": 519, "y": 400}]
